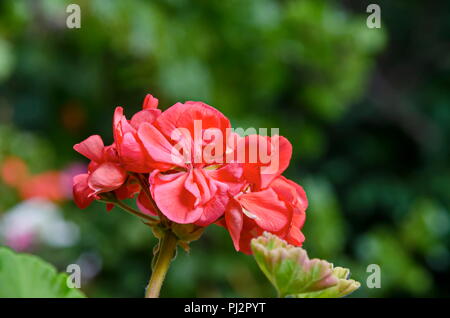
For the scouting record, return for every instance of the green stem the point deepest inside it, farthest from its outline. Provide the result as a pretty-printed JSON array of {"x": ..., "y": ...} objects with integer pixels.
[
  {"x": 164, "y": 257},
  {"x": 129, "y": 209},
  {"x": 135, "y": 212}
]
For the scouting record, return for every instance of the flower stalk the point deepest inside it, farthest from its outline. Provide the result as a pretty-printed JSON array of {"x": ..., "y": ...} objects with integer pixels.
[
  {"x": 108, "y": 198},
  {"x": 148, "y": 219},
  {"x": 164, "y": 257}
]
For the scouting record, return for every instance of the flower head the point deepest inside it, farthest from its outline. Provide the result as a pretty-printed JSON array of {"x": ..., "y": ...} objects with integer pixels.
[{"x": 190, "y": 168}]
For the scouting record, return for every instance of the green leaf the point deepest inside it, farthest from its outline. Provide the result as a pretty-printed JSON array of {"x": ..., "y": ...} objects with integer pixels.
[
  {"x": 293, "y": 274},
  {"x": 25, "y": 275}
]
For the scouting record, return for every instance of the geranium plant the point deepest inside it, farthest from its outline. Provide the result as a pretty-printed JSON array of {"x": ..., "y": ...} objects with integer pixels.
[{"x": 187, "y": 170}]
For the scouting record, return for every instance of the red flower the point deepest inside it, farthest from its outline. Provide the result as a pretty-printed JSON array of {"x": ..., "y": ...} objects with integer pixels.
[
  {"x": 199, "y": 172},
  {"x": 279, "y": 209},
  {"x": 105, "y": 173},
  {"x": 190, "y": 182}
]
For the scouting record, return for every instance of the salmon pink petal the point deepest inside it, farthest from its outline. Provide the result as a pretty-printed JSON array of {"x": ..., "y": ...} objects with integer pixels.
[
  {"x": 144, "y": 116},
  {"x": 280, "y": 158},
  {"x": 252, "y": 174},
  {"x": 110, "y": 153},
  {"x": 214, "y": 208},
  {"x": 91, "y": 148},
  {"x": 231, "y": 175},
  {"x": 150, "y": 102},
  {"x": 207, "y": 188},
  {"x": 249, "y": 231},
  {"x": 265, "y": 158},
  {"x": 231, "y": 172},
  {"x": 291, "y": 192},
  {"x": 107, "y": 177},
  {"x": 173, "y": 199},
  {"x": 133, "y": 155},
  {"x": 117, "y": 118},
  {"x": 265, "y": 208},
  {"x": 159, "y": 149},
  {"x": 82, "y": 194},
  {"x": 120, "y": 124},
  {"x": 211, "y": 195},
  {"x": 294, "y": 235},
  {"x": 92, "y": 166},
  {"x": 145, "y": 205},
  {"x": 184, "y": 116},
  {"x": 193, "y": 187},
  {"x": 295, "y": 197},
  {"x": 234, "y": 222}
]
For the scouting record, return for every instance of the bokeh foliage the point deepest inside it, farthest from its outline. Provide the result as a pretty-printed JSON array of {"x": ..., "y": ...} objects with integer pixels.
[{"x": 367, "y": 111}]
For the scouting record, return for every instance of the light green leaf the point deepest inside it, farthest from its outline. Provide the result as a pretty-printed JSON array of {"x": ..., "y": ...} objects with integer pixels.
[
  {"x": 293, "y": 274},
  {"x": 25, "y": 275}
]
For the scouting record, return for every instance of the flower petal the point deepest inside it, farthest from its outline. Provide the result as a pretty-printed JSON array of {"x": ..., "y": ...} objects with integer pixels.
[
  {"x": 107, "y": 177},
  {"x": 91, "y": 148},
  {"x": 265, "y": 208},
  {"x": 120, "y": 125},
  {"x": 265, "y": 158},
  {"x": 128, "y": 190},
  {"x": 133, "y": 155},
  {"x": 291, "y": 192},
  {"x": 172, "y": 198},
  {"x": 214, "y": 197},
  {"x": 234, "y": 222},
  {"x": 82, "y": 194},
  {"x": 144, "y": 204},
  {"x": 159, "y": 149},
  {"x": 294, "y": 234},
  {"x": 184, "y": 116},
  {"x": 144, "y": 116},
  {"x": 150, "y": 102},
  {"x": 280, "y": 157},
  {"x": 231, "y": 175},
  {"x": 250, "y": 230}
]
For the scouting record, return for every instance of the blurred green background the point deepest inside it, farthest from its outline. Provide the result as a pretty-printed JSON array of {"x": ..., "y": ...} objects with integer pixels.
[{"x": 367, "y": 111}]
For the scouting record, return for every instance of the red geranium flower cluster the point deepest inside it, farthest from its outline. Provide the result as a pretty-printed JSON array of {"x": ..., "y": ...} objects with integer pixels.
[{"x": 187, "y": 166}]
